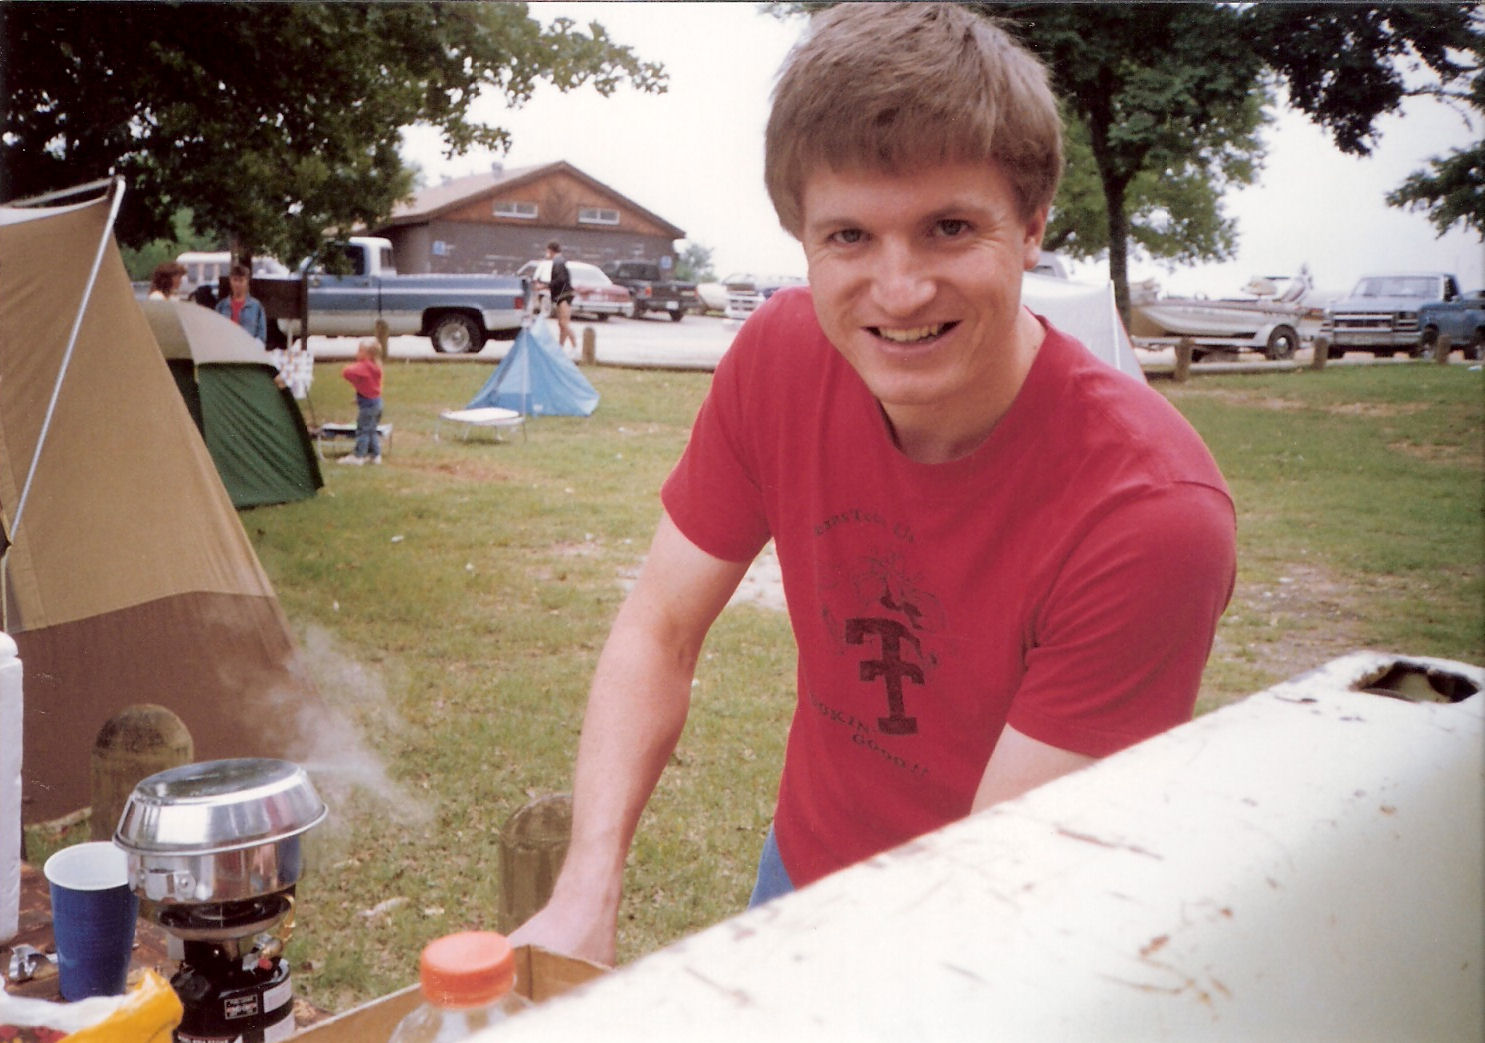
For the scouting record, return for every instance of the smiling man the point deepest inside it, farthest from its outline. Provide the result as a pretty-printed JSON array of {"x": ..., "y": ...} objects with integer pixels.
[{"x": 1002, "y": 558}]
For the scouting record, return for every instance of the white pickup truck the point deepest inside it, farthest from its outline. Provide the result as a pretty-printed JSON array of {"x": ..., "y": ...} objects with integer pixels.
[{"x": 458, "y": 313}]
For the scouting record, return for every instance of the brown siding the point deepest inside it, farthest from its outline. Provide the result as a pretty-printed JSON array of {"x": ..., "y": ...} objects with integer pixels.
[{"x": 470, "y": 238}]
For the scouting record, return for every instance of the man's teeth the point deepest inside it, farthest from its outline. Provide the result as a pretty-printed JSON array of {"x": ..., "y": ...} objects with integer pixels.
[{"x": 909, "y": 336}]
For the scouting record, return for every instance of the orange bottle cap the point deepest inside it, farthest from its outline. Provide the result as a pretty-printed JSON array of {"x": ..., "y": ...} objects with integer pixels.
[{"x": 467, "y": 969}]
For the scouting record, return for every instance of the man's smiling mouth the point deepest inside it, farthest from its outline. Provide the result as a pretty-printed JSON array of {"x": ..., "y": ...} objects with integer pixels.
[{"x": 914, "y": 334}]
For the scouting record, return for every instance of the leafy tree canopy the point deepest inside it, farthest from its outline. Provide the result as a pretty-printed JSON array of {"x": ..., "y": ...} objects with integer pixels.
[
  {"x": 274, "y": 123},
  {"x": 140, "y": 261},
  {"x": 1452, "y": 188},
  {"x": 1163, "y": 107},
  {"x": 1346, "y": 64},
  {"x": 695, "y": 263},
  {"x": 1175, "y": 209}
]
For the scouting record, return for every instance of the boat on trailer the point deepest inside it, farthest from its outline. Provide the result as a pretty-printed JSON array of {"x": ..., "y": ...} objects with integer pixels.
[{"x": 1267, "y": 318}]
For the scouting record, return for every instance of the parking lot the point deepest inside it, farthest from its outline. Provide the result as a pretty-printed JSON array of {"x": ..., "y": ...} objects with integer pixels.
[{"x": 696, "y": 342}]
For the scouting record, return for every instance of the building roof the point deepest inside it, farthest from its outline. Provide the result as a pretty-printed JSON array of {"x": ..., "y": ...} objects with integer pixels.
[{"x": 437, "y": 200}]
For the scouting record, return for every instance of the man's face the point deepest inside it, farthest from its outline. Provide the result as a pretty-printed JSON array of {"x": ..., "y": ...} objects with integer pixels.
[
  {"x": 239, "y": 285},
  {"x": 917, "y": 278}
]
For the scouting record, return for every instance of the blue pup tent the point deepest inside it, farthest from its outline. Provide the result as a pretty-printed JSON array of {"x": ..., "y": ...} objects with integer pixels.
[{"x": 536, "y": 379}]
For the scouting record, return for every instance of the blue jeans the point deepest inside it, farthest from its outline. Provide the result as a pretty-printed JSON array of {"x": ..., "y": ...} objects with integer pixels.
[
  {"x": 773, "y": 878},
  {"x": 368, "y": 415}
]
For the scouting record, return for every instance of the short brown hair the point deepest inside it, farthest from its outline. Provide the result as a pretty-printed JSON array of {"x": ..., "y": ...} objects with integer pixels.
[
  {"x": 900, "y": 86},
  {"x": 165, "y": 274}
]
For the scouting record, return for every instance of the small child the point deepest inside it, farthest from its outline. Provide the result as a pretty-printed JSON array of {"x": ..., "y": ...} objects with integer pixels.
[{"x": 365, "y": 375}]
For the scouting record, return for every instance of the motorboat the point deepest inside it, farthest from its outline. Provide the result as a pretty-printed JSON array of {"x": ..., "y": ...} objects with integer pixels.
[{"x": 1268, "y": 315}]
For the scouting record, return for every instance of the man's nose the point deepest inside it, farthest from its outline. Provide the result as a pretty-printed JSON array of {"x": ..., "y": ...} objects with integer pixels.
[{"x": 902, "y": 283}]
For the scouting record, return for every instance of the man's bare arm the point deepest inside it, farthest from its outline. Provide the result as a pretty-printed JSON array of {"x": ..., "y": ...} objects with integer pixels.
[
  {"x": 636, "y": 709},
  {"x": 1021, "y": 763}
]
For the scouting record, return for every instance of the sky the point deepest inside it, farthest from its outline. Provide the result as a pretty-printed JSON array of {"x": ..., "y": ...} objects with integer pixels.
[{"x": 694, "y": 156}]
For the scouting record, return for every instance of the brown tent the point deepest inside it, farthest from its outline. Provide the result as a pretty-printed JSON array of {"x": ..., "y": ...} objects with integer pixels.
[{"x": 127, "y": 575}]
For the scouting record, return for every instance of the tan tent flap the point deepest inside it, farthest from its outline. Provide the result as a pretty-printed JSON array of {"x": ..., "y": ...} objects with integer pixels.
[
  {"x": 89, "y": 541},
  {"x": 222, "y": 663}
]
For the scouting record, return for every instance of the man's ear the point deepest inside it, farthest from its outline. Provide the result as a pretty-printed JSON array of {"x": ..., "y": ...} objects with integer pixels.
[{"x": 1036, "y": 228}]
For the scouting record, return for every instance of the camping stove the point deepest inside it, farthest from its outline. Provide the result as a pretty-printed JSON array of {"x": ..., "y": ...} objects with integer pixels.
[
  {"x": 233, "y": 981},
  {"x": 214, "y": 856}
]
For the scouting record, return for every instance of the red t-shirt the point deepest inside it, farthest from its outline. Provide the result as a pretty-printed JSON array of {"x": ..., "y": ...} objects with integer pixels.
[
  {"x": 365, "y": 376},
  {"x": 1065, "y": 578}
]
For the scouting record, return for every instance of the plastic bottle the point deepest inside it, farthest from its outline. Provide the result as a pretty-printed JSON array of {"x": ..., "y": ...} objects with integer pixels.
[{"x": 468, "y": 984}]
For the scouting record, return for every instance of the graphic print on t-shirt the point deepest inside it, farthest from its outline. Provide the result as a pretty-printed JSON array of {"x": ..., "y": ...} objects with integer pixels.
[{"x": 886, "y": 622}]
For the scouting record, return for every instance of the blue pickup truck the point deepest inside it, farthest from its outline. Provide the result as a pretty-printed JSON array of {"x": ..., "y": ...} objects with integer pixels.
[
  {"x": 1461, "y": 319},
  {"x": 458, "y": 313}
]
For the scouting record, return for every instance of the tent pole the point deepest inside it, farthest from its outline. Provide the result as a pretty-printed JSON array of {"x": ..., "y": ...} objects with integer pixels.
[
  {"x": 62, "y": 193},
  {"x": 117, "y": 191}
]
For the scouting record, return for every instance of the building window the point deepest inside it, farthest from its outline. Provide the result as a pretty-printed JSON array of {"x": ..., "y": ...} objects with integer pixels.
[
  {"x": 511, "y": 208},
  {"x": 597, "y": 215}
]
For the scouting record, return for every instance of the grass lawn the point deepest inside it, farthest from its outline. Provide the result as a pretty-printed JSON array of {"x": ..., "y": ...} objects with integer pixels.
[{"x": 452, "y": 604}]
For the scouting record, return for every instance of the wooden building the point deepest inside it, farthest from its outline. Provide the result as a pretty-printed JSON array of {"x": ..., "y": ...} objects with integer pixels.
[{"x": 497, "y": 221}]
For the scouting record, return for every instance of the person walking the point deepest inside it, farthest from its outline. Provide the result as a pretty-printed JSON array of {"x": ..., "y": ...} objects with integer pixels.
[{"x": 560, "y": 288}]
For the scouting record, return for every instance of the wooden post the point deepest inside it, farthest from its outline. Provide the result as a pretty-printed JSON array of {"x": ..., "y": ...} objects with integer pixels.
[
  {"x": 533, "y": 843},
  {"x": 1441, "y": 349},
  {"x": 1184, "y": 350},
  {"x": 590, "y": 346},
  {"x": 383, "y": 333},
  {"x": 1322, "y": 353},
  {"x": 134, "y": 743}
]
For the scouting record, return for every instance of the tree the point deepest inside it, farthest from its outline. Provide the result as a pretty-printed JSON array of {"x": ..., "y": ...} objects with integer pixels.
[
  {"x": 1453, "y": 194},
  {"x": 1346, "y": 64},
  {"x": 275, "y": 123},
  {"x": 1175, "y": 214},
  {"x": 1452, "y": 191},
  {"x": 695, "y": 264},
  {"x": 1167, "y": 108},
  {"x": 140, "y": 261},
  {"x": 1141, "y": 78}
]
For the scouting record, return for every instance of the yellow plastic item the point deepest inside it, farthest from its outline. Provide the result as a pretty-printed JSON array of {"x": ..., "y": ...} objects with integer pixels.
[{"x": 149, "y": 1014}]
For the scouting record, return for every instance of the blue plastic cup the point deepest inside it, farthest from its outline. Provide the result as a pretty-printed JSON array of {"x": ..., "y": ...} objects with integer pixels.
[{"x": 93, "y": 915}]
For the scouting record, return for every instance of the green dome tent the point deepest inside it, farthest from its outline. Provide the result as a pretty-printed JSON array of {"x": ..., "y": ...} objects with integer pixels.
[{"x": 252, "y": 427}]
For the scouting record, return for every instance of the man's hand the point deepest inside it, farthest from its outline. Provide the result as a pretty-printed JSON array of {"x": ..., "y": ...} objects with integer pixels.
[{"x": 564, "y": 928}]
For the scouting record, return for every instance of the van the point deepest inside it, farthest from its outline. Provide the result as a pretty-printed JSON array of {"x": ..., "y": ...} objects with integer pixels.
[{"x": 210, "y": 267}]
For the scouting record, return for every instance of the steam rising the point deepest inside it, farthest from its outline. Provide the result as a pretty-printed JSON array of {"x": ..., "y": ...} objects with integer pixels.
[{"x": 330, "y": 736}]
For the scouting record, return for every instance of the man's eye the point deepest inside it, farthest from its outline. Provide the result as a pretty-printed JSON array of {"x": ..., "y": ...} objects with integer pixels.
[
  {"x": 951, "y": 227},
  {"x": 847, "y": 236}
]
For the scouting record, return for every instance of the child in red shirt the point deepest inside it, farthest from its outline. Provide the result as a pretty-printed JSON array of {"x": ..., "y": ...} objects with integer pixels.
[{"x": 365, "y": 375}]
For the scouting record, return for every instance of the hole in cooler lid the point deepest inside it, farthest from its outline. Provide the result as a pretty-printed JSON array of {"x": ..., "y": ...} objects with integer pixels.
[{"x": 1416, "y": 683}]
